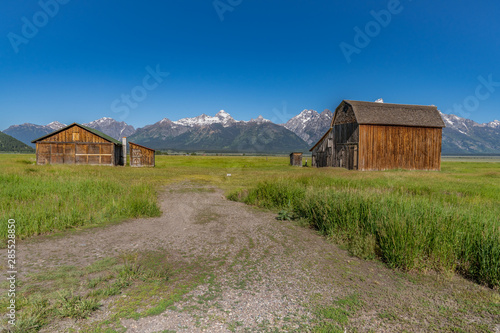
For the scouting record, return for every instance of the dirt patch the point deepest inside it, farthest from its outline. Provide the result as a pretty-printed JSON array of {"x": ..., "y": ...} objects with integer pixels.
[{"x": 259, "y": 274}]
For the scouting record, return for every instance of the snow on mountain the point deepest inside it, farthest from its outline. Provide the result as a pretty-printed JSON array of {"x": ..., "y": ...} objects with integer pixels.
[
  {"x": 55, "y": 125},
  {"x": 221, "y": 117},
  {"x": 111, "y": 127},
  {"x": 161, "y": 130},
  {"x": 493, "y": 124},
  {"x": 465, "y": 125},
  {"x": 259, "y": 120},
  {"x": 28, "y": 132},
  {"x": 219, "y": 133},
  {"x": 310, "y": 125},
  {"x": 465, "y": 136}
]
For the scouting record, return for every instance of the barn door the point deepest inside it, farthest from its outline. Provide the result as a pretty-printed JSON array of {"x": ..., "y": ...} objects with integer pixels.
[
  {"x": 346, "y": 156},
  {"x": 342, "y": 156},
  {"x": 353, "y": 157},
  {"x": 136, "y": 156}
]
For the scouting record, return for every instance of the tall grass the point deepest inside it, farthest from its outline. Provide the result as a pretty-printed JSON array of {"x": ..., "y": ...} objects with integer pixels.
[
  {"x": 407, "y": 229},
  {"x": 54, "y": 198}
]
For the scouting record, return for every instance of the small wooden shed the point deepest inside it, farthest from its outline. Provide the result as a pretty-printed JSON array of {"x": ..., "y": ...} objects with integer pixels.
[
  {"x": 141, "y": 156},
  {"x": 78, "y": 144},
  {"x": 296, "y": 159},
  {"x": 381, "y": 136}
]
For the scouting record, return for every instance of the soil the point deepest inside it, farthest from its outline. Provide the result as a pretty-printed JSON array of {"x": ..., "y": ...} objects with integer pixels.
[{"x": 265, "y": 274}]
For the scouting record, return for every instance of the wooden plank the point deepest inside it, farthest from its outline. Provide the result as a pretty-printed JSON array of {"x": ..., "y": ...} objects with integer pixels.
[{"x": 391, "y": 147}]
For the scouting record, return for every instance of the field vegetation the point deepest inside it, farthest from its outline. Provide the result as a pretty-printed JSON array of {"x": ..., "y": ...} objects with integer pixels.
[{"x": 413, "y": 220}]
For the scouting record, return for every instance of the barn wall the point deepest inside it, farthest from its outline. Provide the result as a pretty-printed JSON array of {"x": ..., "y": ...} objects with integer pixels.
[
  {"x": 322, "y": 153},
  {"x": 345, "y": 145},
  {"x": 296, "y": 159},
  {"x": 393, "y": 147},
  {"x": 75, "y": 153},
  {"x": 76, "y": 145},
  {"x": 141, "y": 156}
]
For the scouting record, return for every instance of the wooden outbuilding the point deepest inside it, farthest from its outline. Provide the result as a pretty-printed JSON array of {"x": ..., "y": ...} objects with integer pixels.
[
  {"x": 381, "y": 136},
  {"x": 296, "y": 159},
  {"x": 78, "y": 144},
  {"x": 141, "y": 156}
]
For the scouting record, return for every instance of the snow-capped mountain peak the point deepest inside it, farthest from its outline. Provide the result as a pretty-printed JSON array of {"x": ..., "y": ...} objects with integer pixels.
[
  {"x": 222, "y": 117},
  {"x": 259, "y": 120},
  {"x": 55, "y": 125},
  {"x": 102, "y": 122},
  {"x": 111, "y": 127},
  {"x": 493, "y": 124},
  {"x": 310, "y": 125},
  {"x": 304, "y": 117},
  {"x": 222, "y": 114}
]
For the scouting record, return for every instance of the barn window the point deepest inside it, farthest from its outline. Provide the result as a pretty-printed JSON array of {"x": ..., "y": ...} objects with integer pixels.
[{"x": 76, "y": 136}]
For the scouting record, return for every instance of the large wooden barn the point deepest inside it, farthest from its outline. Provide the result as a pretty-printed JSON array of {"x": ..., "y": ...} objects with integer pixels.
[
  {"x": 78, "y": 144},
  {"x": 381, "y": 136}
]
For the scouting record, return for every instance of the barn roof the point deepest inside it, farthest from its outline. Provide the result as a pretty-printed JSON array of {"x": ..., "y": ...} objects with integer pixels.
[
  {"x": 136, "y": 144},
  {"x": 396, "y": 114},
  {"x": 92, "y": 130}
]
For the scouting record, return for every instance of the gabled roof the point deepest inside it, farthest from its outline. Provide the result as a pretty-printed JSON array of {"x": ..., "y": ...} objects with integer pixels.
[
  {"x": 133, "y": 143},
  {"x": 371, "y": 113},
  {"x": 92, "y": 130}
]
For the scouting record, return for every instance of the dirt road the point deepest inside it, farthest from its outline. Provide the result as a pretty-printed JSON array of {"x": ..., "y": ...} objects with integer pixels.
[{"x": 262, "y": 274}]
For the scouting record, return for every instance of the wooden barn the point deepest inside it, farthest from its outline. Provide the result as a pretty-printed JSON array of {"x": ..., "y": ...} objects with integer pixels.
[
  {"x": 78, "y": 144},
  {"x": 141, "y": 156},
  {"x": 296, "y": 159},
  {"x": 381, "y": 136}
]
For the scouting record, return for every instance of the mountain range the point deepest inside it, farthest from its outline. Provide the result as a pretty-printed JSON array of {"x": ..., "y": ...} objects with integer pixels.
[
  {"x": 465, "y": 136},
  {"x": 222, "y": 133}
]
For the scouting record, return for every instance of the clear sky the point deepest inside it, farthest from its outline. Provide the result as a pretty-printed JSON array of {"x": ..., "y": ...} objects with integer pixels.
[{"x": 77, "y": 61}]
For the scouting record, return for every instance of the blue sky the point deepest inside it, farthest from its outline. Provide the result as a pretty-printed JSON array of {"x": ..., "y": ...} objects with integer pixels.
[{"x": 77, "y": 61}]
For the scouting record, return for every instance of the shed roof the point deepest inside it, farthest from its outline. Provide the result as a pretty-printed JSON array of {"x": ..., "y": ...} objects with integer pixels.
[
  {"x": 136, "y": 144},
  {"x": 395, "y": 114},
  {"x": 92, "y": 130}
]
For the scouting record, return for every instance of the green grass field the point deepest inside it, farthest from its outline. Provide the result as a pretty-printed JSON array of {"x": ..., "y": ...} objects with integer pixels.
[{"x": 414, "y": 220}]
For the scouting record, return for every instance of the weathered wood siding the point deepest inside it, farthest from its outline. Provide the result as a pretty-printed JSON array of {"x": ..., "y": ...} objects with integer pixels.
[
  {"x": 76, "y": 145},
  {"x": 141, "y": 156},
  {"x": 322, "y": 154},
  {"x": 75, "y": 134},
  {"x": 345, "y": 146},
  {"x": 384, "y": 147},
  {"x": 296, "y": 159}
]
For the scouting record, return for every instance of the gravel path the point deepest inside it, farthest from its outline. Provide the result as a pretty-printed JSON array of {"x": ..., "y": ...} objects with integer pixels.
[{"x": 266, "y": 275}]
